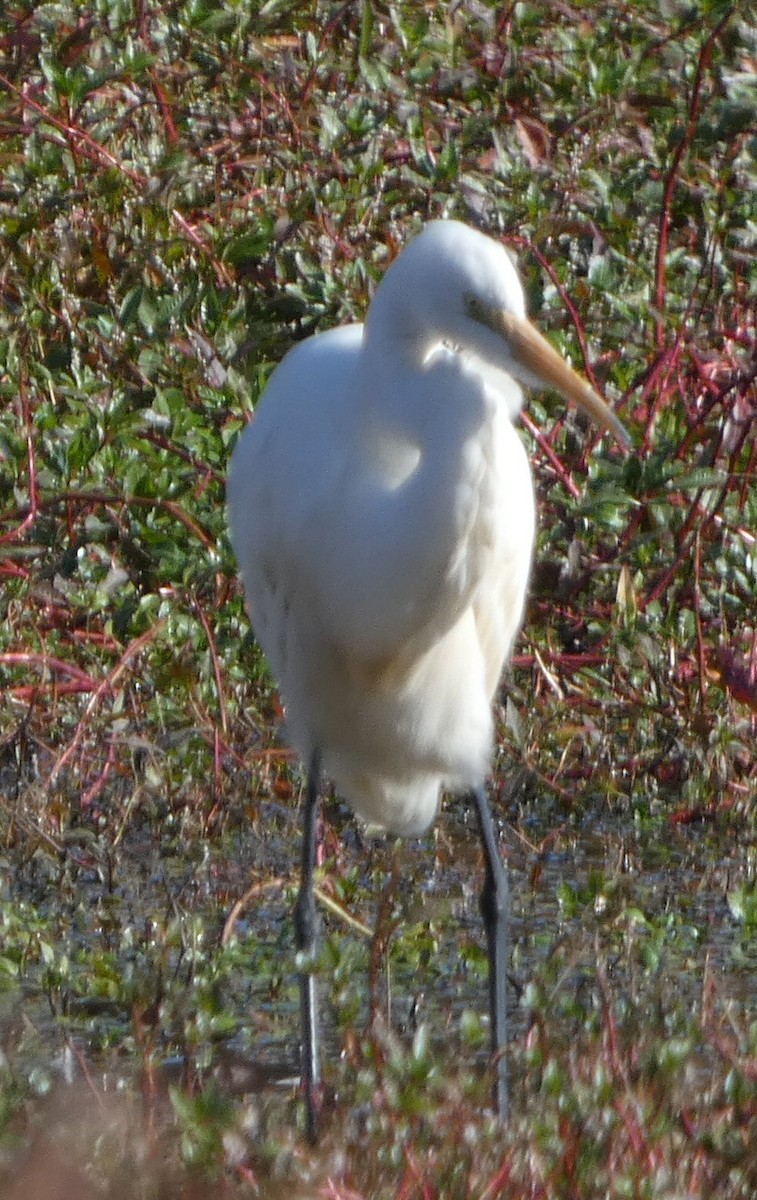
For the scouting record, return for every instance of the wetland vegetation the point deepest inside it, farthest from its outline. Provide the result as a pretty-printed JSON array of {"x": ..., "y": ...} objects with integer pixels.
[{"x": 186, "y": 190}]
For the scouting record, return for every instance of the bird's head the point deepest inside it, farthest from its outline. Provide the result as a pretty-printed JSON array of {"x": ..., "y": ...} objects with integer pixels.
[{"x": 455, "y": 284}]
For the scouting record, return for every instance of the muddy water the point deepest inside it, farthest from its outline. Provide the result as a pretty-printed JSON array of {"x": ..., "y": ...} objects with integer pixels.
[{"x": 650, "y": 904}]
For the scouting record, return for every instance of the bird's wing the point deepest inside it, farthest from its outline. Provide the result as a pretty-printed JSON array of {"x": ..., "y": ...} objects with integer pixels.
[{"x": 283, "y": 475}]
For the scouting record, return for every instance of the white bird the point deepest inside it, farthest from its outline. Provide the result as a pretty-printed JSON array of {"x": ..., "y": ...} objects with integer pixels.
[{"x": 382, "y": 512}]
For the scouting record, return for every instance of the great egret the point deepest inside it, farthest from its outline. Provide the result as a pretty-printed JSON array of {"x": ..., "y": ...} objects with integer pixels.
[{"x": 381, "y": 509}]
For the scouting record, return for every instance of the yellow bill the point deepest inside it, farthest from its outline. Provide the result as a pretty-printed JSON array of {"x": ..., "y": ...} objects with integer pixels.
[
  {"x": 541, "y": 359},
  {"x": 541, "y": 362}
]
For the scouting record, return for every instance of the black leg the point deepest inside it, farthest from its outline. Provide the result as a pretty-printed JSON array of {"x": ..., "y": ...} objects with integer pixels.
[
  {"x": 306, "y": 936},
  {"x": 495, "y": 900}
]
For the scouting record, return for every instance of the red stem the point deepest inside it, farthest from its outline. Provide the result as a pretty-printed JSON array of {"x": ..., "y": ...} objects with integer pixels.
[
  {"x": 107, "y": 684},
  {"x": 216, "y": 665},
  {"x": 664, "y": 219}
]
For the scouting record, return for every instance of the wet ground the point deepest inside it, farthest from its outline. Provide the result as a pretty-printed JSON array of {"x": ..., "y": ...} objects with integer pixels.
[{"x": 666, "y": 911}]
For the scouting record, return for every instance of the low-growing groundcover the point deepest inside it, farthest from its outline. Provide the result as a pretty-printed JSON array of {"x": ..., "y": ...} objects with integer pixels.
[{"x": 185, "y": 191}]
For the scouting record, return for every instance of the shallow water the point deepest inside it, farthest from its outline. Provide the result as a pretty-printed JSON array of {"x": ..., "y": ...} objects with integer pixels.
[{"x": 649, "y": 903}]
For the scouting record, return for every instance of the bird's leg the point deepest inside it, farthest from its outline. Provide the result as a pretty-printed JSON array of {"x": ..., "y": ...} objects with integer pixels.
[
  {"x": 306, "y": 936},
  {"x": 495, "y": 902}
]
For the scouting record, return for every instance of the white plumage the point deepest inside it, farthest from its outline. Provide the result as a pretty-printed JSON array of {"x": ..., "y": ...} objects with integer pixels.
[{"x": 382, "y": 513}]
